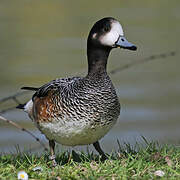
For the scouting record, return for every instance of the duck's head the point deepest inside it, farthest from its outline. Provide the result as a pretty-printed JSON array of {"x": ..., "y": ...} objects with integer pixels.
[{"x": 108, "y": 33}]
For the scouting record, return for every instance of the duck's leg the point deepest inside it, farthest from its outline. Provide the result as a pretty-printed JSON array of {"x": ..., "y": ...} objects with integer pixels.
[
  {"x": 99, "y": 150},
  {"x": 52, "y": 156}
]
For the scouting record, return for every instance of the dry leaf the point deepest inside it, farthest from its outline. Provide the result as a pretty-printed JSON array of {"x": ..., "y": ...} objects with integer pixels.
[
  {"x": 83, "y": 169},
  {"x": 113, "y": 177},
  {"x": 159, "y": 173},
  {"x": 120, "y": 155},
  {"x": 156, "y": 156},
  {"x": 58, "y": 178},
  {"x": 94, "y": 165},
  {"x": 38, "y": 168},
  {"x": 168, "y": 161},
  {"x": 101, "y": 178}
]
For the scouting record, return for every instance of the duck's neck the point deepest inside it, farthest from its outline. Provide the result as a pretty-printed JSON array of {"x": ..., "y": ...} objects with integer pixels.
[{"x": 97, "y": 60}]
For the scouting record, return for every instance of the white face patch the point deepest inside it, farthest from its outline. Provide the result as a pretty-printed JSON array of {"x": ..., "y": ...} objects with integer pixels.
[
  {"x": 112, "y": 36},
  {"x": 94, "y": 35}
]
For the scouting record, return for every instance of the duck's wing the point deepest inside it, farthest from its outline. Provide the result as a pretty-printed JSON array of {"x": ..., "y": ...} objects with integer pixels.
[
  {"x": 40, "y": 100},
  {"x": 52, "y": 86},
  {"x": 45, "y": 98},
  {"x": 45, "y": 89}
]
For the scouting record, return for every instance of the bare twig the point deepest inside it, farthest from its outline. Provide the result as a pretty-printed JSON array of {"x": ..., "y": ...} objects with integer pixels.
[
  {"x": 150, "y": 58},
  {"x": 13, "y": 97},
  {"x": 7, "y": 110},
  {"x": 23, "y": 129}
]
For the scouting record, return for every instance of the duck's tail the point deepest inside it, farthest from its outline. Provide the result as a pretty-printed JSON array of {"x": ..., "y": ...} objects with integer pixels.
[
  {"x": 25, "y": 106},
  {"x": 30, "y": 88},
  {"x": 21, "y": 106}
]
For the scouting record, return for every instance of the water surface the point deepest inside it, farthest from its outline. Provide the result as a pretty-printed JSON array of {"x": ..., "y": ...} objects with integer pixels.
[{"x": 42, "y": 40}]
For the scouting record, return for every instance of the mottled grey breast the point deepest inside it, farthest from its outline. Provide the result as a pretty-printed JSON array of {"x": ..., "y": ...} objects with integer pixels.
[{"x": 92, "y": 99}]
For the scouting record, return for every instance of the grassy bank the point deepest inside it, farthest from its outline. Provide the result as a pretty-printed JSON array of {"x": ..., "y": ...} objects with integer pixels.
[{"x": 142, "y": 163}]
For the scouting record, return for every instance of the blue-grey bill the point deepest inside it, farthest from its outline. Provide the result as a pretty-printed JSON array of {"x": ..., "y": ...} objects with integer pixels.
[{"x": 123, "y": 43}]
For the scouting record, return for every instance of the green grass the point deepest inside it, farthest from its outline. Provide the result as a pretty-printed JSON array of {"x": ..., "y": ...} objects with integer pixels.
[{"x": 127, "y": 163}]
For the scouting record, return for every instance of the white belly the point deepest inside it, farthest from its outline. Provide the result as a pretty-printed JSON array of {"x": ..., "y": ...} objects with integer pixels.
[{"x": 72, "y": 133}]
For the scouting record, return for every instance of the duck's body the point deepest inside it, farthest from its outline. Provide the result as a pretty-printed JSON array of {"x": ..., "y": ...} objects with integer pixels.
[
  {"x": 76, "y": 111},
  {"x": 79, "y": 111}
]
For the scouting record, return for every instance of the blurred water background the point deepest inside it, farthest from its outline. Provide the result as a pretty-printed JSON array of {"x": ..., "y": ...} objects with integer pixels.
[{"x": 42, "y": 40}]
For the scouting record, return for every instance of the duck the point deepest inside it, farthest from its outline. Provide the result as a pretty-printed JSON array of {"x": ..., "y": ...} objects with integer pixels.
[{"x": 81, "y": 110}]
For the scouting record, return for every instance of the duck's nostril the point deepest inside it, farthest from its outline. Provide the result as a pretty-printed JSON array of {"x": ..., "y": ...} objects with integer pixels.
[{"x": 122, "y": 39}]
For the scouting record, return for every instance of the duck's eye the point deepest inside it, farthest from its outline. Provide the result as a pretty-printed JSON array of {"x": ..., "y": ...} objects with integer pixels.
[{"x": 106, "y": 28}]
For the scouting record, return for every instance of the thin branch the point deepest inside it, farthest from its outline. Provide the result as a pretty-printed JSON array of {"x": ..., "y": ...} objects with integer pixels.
[
  {"x": 142, "y": 61},
  {"x": 13, "y": 97},
  {"x": 7, "y": 110},
  {"x": 25, "y": 130}
]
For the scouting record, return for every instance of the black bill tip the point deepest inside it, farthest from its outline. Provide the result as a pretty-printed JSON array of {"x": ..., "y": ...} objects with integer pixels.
[{"x": 133, "y": 48}]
